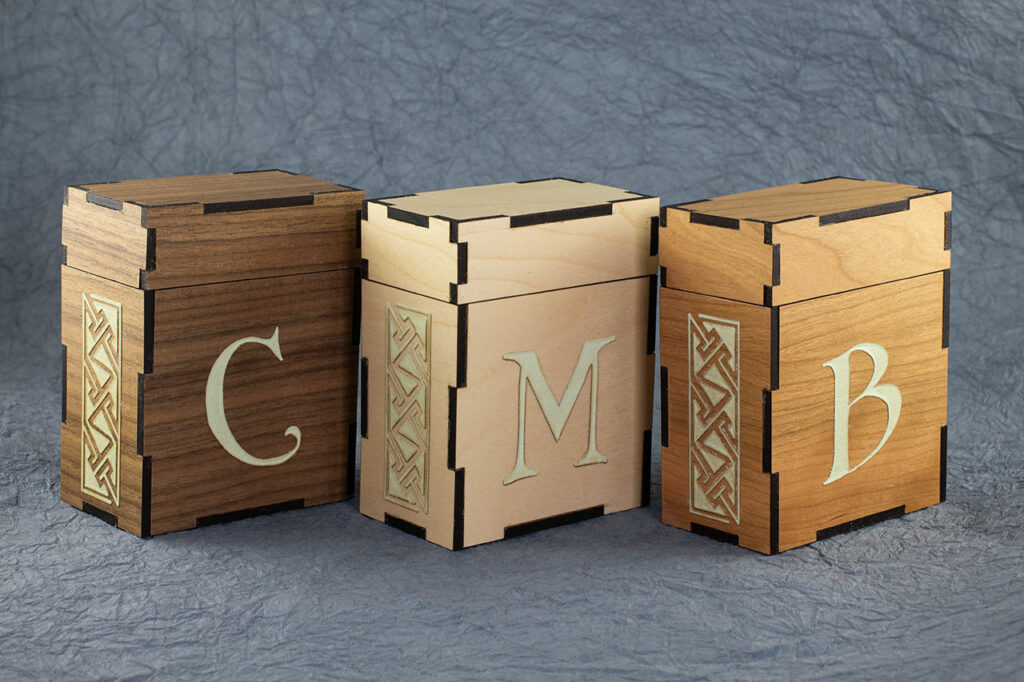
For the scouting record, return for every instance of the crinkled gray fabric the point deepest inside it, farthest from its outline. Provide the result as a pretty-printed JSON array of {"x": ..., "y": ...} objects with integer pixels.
[{"x": 682, "y": 100}]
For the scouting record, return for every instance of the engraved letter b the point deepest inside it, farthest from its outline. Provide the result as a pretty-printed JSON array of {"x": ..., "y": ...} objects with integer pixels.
[{"x": 887, "y": 393}]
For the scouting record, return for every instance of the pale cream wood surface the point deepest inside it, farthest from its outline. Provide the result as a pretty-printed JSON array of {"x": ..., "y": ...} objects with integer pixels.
[
  {"x": 407, "y": 256},
  {"x": 504, "y": 261},
  {"x": 713, "y": 260},
  {"x": 74, "y": 284},
  {"x": 438, "y": 521},
  {"x": 753, "y": 529},
  {"x": 509, "y": 198},
  {"x": 823, "y": 197},
  {"x": 906, "y": 319},
  {"x": 555, "y": 325},
  {"x": 215, "y": 188},
  {"x": 110, "y": 243},
  {"x": 312, "y": 387}
]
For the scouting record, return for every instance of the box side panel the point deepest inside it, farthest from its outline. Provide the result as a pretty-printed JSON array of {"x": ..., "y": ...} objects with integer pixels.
[
  {"x": 716, "y": 472},
  {"x": 729, "y": 259},
  {"x": 414, "y": 257},
  {"x": 858, "y": 418},
  {"x": 817, "y": 260},
  {"x": 409, "y": 359},
  {"x": 557, "y": 400},
  {"x": 102, "y": 330},
  {"x": 252, "y": 397},
  {"x": 192, "y": 247},
  {"x": 106, "y": 239},
  {"x": 510, "y": 261}
]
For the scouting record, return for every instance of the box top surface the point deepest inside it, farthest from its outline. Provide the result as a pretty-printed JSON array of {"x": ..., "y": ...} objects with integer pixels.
[
  {"x": 481, "y": 243},
  {"x": 160, "y": 233},
  {"x": 796, "y": 242},
  {"x": 512, "y": 199},
  {"x": 217, "y": 189},
  {"x": 819, "y": 198}
]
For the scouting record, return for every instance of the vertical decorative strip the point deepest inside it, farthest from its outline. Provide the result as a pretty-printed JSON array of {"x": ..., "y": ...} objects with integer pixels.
[
  {"x": 714, "y": 418},
  {"x": 407, "y": 390},
  {"x": 101, "y": 398}
]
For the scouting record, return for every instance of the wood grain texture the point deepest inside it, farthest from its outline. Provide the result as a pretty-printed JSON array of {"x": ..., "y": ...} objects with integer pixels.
[
  {"x": 438, "y": 521},
  {"x": 509, "y": 199},
  {"x": 312, "y": 387},
  {"x": 713, "y": 260},
  {"x": 906, "y": 319},
  {"x": 163, "y": 227},
  {"x": 754, "y": 527},
  {"x": 215, "y": 188},
  {"x": 824, "y": 234},
  {"x": 824, "y": 197},
  {"x": 108, "y": 242},
  {"x": 74, "y": 284},
  {"x": 555, "y": 325},
  {"x": 502, "y": 260}
]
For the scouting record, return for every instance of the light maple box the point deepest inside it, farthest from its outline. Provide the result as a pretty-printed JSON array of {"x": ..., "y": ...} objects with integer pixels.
[
  {"x": 804, "y": 335},
  {"x": 508, "y": 343},
  {"x": 210, "y": 356}
]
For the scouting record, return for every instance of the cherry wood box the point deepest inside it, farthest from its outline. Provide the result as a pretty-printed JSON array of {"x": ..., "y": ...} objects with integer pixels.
[
  {"x": 804, "y": 336},
  {"x": 210, "y": 356},
  {"x": 508, "y": 341}
]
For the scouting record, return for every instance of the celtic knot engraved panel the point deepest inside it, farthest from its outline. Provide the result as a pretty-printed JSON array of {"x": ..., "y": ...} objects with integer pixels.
[
  {"x": 101, "y": 398},
  {"x": 407, "y": 389},
  {"x": 714, "y": 418}
]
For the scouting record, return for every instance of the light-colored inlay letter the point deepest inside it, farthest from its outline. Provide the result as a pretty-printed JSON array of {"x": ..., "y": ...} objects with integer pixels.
[{"x": 215, "y": 405}]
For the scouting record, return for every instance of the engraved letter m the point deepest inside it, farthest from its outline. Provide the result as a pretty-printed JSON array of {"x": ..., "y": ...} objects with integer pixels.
[{"x": 556, "y": 412}]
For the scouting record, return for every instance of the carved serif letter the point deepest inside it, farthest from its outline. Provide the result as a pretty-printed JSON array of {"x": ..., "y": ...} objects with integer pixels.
[
  {"x": 556, "y": 412},
  {"x": 887, "y": 393},
  {"x": 215, "y": 406}
]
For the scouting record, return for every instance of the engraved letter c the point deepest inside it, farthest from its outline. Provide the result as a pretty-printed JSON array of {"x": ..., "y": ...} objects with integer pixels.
[{"x": 215, "y": 406}]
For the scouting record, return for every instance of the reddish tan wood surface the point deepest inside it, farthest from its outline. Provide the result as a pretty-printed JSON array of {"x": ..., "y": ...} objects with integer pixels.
[
  {"x": 816, "y": 257},
  {"x": 753, "y": 529},
  {"x": 903, "y": 317},
  {"x": 906, "y": 319}
]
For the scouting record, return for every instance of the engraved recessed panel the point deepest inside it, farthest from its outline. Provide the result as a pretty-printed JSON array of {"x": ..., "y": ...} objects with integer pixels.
[
  {"x": 101, "y": 398},
  {"x": 407, "y": 390},
  {"x": 714, "y": 418}
]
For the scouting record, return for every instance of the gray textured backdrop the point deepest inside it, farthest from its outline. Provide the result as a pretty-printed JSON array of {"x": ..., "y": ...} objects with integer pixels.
[{"x": 682, "y": 100}]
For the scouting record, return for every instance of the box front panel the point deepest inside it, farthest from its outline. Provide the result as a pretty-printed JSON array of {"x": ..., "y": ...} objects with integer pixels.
[
  {"x": 716, "y": 354},
  {"x": 861, "y": 406},
  {"x": 557, "y": 399},
  {"x": 102, "y": 329},
  {"x": 251, "y": 402},
  {"x": 409, "y": 351}
]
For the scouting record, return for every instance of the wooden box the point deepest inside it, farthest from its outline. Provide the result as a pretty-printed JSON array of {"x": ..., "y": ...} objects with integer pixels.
[
  {"x": 210, "y": 356},
  {"x": 508, "y": 344},
  {"x": 804, "y": 335}
]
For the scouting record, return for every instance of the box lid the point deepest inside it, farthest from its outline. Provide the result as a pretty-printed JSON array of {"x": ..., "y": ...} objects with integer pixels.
[
  {"x": 480, "y": 243},
  {"x": 169, "y": 232},
  {"x": 789, "y": 243}
]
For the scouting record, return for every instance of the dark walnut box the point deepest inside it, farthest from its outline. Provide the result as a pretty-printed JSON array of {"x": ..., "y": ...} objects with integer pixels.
[
  {"x": 210, "y": 359},
  {"x": 508, "y": 361},
  {"x": 804, "y": 335}
]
